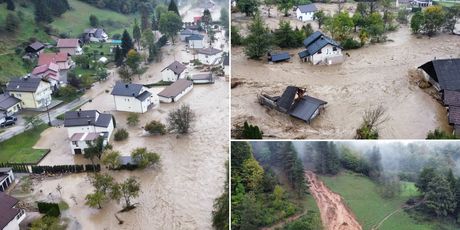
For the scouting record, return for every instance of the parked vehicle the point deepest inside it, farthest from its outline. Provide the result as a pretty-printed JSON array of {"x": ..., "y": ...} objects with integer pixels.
[
  {"x": 12, "y": 118},
  {"x": 7, "y": 123}
]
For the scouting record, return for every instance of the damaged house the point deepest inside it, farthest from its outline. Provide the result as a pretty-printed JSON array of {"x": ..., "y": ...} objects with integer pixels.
[
  {"x": 295, "y": 103},
  {"x": 321, "y": 49},
  {"x": 444, "y": 75}
]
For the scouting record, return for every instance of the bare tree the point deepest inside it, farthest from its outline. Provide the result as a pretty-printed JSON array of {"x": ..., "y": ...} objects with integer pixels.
[{"x": 372, "y": 118}]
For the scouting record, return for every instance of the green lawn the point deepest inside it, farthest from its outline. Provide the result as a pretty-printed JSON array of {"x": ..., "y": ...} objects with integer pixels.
[
  {"x": 75, "y": 21},
  {"x": 19, "y": 148},
  {"x": 370, "y": 208}
]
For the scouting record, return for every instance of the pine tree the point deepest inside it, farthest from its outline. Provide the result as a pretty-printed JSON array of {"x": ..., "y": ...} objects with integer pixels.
[
  {"x": 258, "y": 41},
  {"x": 424, "y": 179},
  {"x": 126, "y": 43},
  {"x": 136, "y": 32},
  {"x": 118, "y": 56},
  {"x": 42, "y": 13},
  {"x": 173, "y": 7},
  {"x": 10, "y": 5},
  {"x": 145, "y": 10},
  {"x": 439, "y": 197}
]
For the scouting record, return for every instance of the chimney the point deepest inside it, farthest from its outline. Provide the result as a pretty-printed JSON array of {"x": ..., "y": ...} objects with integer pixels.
[{"x": 126, "y": 85}]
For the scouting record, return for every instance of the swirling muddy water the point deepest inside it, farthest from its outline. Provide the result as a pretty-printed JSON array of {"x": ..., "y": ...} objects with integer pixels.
[{"x": 374, "y": 75}]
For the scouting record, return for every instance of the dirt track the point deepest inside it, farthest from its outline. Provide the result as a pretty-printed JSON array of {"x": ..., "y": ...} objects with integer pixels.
[{"x": 335, "y": 215}]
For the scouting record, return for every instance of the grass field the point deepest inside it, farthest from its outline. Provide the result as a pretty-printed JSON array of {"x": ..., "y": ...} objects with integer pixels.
[
  {"x": 76, "y": 20},
  {"x": 370, "y": 208},
  {"x": 19, "y": 148}
]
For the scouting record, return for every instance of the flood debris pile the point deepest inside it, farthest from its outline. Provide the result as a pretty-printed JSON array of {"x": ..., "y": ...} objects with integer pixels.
[
  {"x": 444, "y": 75},
  {"x": 295, "y": 103}
]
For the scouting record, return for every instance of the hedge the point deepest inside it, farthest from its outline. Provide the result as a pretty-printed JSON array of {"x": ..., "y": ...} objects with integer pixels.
[{"x": 49, "y": 209}]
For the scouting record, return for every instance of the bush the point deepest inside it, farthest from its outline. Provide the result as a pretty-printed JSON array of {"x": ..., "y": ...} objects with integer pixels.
[
  {"x": 66, "y": 93},
  {"x": 439, "y": 134},
  {"x": 155, "y": 127},
  {"x": 349, "y": 44},
  {"x": 133, "y": 119},
  {"x": 251, "y": 132},
  {"x": 111, "y": 159},
  {"x": 180, "y": 120},
  {"x": 144, "y": 158},
  {"x": 121, "y": 135},
  {"x": 49, "y": 209}
]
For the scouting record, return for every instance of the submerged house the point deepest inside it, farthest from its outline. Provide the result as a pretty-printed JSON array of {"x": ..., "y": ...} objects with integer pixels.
[
  {"x": 321, "y": 49},
  {"x": 173, "y": 71},
  {"x": 294, "y": 102},
  {"x": 133, "y": 98},
  {"x": 203, "y": 78},
  {"x": 10, "y": 214},
  {"x": 444, "y": 75},
  {"x": 175, "y": 91},
  {"x": 305, "y": 12},
  {"x": 279, "y": 57},
  {"x": 85, "y": 126},
  {"x": 195, "y": 41},
  {"x": 209, "y": 56}
]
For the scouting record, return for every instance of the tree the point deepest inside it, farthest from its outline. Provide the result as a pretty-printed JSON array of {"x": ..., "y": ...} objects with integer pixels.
[
  {"x": 402, "y": 16},
  {"x": 371, "y": 120},
  {"x": 206, "y": 17},
  {"x": 439, "y": 197},
  {"x": 10, "y": 5},
  {"x": 102, "y": 182},
  {"x": 358, "y": 20},
  {"x": 144, "y": 158},
  {"x": 12, "y": 22},
  {"x": 440, "y": 134},
  {"x": 180, "y": 120},
  {"x": 95, "y": 199},
  {"x": 269, "y": 4},
  {"x": 320, "y": 17},
  {"x": 48, "y": 223},
  {"x": 132, "y": 119},
  {"x": 155, "y": 127},
  {"x": 375, "y": 164},
  {"x": 125, "y": 73},
  {"x": 424, "y": 179},
  {"x": 111, "y": 159},
  {"x": 121, "y": 135},
  {"x": 133, "y": 60},
  {"x": 33, "y": 121},
  {"x": 221, "y": 211},
  {"x": 249, "y": 7},
  {"x": 118, "y": 56},
  {"x": 340, "y": 26},
  {"x": 146, "y": 10},
  {"x": 93, "y": 20},
  {"x": 224, "y": 19},
  {"x": 126, "y": 43},
  {"x": 251, "y": 174},
  {"x": 285, "y": 36},
  {"x": 236, "y": 37},
  {"x": 285, "y": 6},
  {"x": 160, "y": 9},
  {"x": 137, "y": 32},
  {"x": 173, "y": 7},
  {"x": 127, "y": 190},
  {"x": 375, "y": 25},
  {"x": 327, "y": 160},
  {"x": 362, "y": 8},
  {"x": 258, "y": 41},
  {"x": 417, "y": 21},
  {"x": 251, "y": 132},
  {"x": 170, "y": 23},
  {"x": 434, "y": 19},
  {"x": 42, "y": 13},
  {"x": 95, "y": 149}
]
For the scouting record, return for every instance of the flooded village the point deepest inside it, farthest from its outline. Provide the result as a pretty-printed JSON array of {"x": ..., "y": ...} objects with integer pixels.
[
  {"x": 383, "y": 74},
  {"x": 167, "y": 101}
]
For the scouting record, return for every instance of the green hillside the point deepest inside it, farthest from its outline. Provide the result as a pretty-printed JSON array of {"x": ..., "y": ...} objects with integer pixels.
[
  {"x": 370, "y": 208},
  {"x": 76, "y": 20}
]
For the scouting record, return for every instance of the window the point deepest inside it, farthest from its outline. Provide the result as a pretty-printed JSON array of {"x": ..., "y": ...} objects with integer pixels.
[
  {"x": 334, "y": 49},
  {"x": 75, "y": 143}
]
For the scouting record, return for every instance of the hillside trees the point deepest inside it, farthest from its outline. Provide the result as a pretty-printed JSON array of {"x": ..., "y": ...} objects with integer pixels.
[
  {"x": 137, "y": 32},
  {"x": 173, "y": 7},
  {"x": 249, "y": 7},
  {"x": 10, "y": 5},
  {"x": 126, "y": 43},
  {"x": 327, "y": 160},
  {"x": 45, "y": 10},
  {"x": 285, "y": 6}
]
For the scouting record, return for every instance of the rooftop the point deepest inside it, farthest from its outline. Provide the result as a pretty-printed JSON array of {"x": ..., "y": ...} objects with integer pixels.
[
  {"x": 277, "y": 57},
  {"x": 209, "y": 51},
  {"x": 46, "y": 58},
  {"x": 87, "y": 117},
  {"x": 315, "y": 42},
  {"x": 175, "y": 88},
  {"x": 7, "y": 210},
  {"x": 68, "y": 43},
  {"x": 307, "y": 8},
  {"x": 176, "y": 67},
  {"x": 444, "y": 71},
  {"x": 127, "y": 90},
  {"x": 6, "y": 102},
  {"x": 26, "y": 84}
]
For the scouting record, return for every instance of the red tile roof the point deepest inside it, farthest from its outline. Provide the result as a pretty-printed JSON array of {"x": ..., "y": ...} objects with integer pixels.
[
  {"x": 68, "y": 43},
  {"x": 47, "y": 58}
]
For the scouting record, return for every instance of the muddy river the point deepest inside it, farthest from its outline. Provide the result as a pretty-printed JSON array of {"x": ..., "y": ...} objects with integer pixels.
[{"x": 373, "y": 75}]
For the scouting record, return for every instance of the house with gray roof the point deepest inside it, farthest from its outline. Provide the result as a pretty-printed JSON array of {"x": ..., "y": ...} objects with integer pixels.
[
  {"x": 34, "y": 93},
  {"x": 10, "y": 214},
  {"x": 209, "y": 56},
  {"x": 133, "y": 98},
  {"x": 175, "y": 91},
  {"x": 85, "y": 126},
  {"x": 321, "y": 49},
  {"x": 195, "y": 41},
  {"x": 9, "y": 105},
  {"x": 173, "y": 71},
  {"x": 187, "y": 33},
  {"x": 294, "y": 102},
  {"x": 305, "y": 12},
  {"x": 95, "y": 35}
]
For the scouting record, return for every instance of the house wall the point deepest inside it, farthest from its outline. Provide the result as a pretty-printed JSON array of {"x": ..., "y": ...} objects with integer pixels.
[
  {"x": 304, "y": 16},
  {"x": 82, "y": 145},
  {"x": 169, "y": 75},
  {"x": 196, "y": 44},
  {"x": 131, "y": 104},
  {"x": 5, "y": 183},
  {"x": 175, "y": 99},
  {"x": 13, "y": 225},
  {"x": 208, "y": 59},
  {"x": 72, "y": 51},
  {"x": 227, "y": 70},
  {"x": 13, "y": 109},
  {"x": 33, "y": 100},
  {"x": 327, "y": 56}
]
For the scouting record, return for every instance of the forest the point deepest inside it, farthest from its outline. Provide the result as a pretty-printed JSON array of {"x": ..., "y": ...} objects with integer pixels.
[{"x": 420, "y": 180}]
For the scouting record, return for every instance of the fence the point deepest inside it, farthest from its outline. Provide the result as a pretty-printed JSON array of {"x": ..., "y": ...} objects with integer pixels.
[{"x": 55, "y": 169}]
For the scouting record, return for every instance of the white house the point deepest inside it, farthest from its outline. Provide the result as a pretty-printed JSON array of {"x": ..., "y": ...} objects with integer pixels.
[
  {"x": 173, "y": 71},
  {"x": 34, "y": 93},
  {"x": 9, "y": 105},
  {"x": 10, "y": 215},
  {"x": 6, "y": 178},
  {"x": 70, "y": 46},
  {"x": 305, "y": 12},
  {"x": 195, "y": 41},
  {"x": 87, "y": 125},
  {"x": 209, "y": 56},
  {"x": 175, "y": 91},
  {"x": 226, "y": 66},
  {"x": 321, "y": 49},
  {"x": 95, "y": 35},
  {"x": 133, "y": 98}
]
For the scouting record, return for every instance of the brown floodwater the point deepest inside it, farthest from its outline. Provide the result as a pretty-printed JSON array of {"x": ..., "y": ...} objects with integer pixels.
[
  {"x": 178, "y": 193},
  {"x": 374, "y": 75}
]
